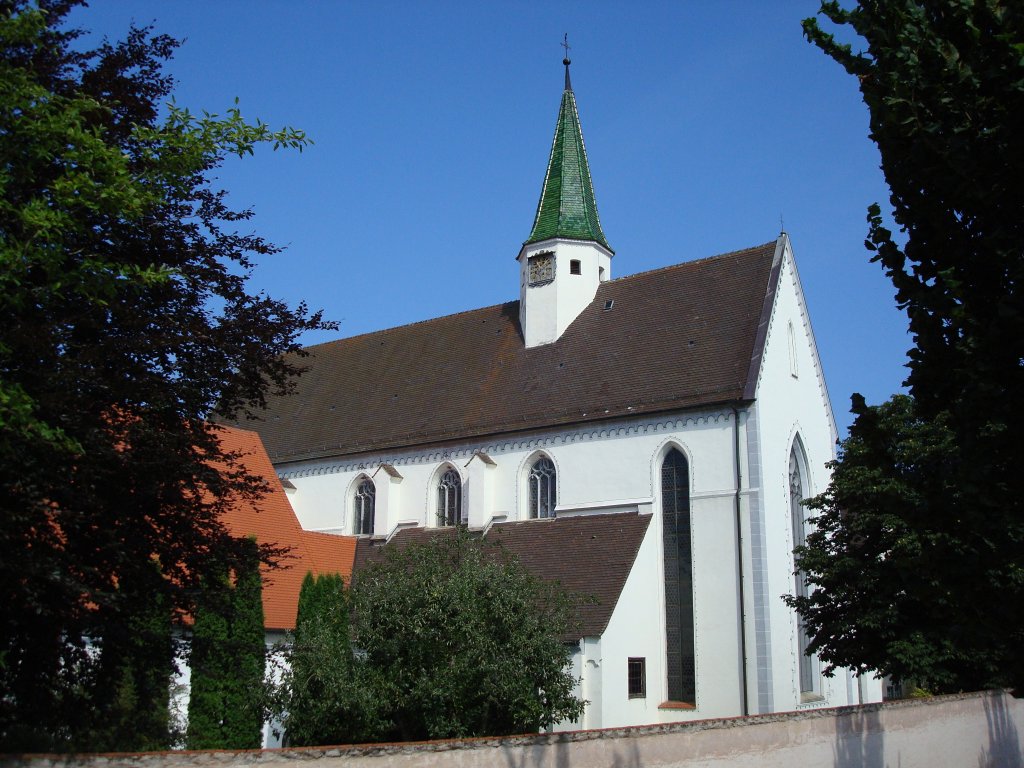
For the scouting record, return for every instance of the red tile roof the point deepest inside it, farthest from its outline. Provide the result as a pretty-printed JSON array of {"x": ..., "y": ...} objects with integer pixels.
[
  {"x": 272, "y": 521},
  {"x": 680, "y": 337}
]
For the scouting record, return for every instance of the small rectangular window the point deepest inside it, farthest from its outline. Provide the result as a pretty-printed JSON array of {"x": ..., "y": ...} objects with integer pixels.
[
  {"x": 637, "y": 678},
  {"x": 574, "y": 267}
]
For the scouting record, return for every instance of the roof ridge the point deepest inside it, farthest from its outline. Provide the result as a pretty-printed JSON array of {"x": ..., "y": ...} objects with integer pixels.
[
  {"x": 694, "y": 262},
  {"x": 622, "y": 279},
  {"x": 467, "y": 375}
]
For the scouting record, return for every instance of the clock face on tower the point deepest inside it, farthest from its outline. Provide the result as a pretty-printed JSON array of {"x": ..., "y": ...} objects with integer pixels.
[{"x": 542, "y": 268}]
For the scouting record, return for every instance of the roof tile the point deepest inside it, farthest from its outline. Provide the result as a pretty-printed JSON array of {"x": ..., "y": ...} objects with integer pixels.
[
  {"x": 272, "y": 521},
  {"x": 563, "y": 550},
  {"x": 674, "y": 338}
]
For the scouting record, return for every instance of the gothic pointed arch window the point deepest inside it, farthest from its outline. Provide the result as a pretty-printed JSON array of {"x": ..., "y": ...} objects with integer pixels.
[
  {"x": 449, "y": 498},
  {"x": 542, "y": 487},
  {"x": 364, "y": 502},
  {"x": 809, "y": 680},
  {"x": 677, "y": 549}
]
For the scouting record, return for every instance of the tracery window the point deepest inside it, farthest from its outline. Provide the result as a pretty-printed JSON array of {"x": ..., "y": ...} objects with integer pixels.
[
  {"x": 678, "y": 558},
  {"x": 542, "y": 488},
  {"x": 449, "y": 498},
  {"x": 808, "y": 678},
  {"x": 364, "y": 507}
]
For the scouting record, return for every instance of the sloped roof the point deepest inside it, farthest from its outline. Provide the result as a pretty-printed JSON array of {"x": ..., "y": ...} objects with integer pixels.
[
  {"x": 590, "y": 555},
  {"x": 272, "y": 521},
  {"x": 678, "y": 337},
  {"x": 567, "y": 206}
]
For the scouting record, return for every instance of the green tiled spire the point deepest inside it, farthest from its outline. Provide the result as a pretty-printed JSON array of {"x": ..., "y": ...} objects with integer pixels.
[{"x": 567, "y": 207}]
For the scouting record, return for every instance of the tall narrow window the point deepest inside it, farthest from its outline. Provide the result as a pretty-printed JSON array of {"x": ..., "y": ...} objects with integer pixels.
[
  {"x": 449, "y": 499},
  {"x": 794, "y": 371},
  {"x": 365, "y": 502},
  {"x": 678, "y": 554},
  {"x": 808, "y": 680},
  {"x": 542, "y": 488}
]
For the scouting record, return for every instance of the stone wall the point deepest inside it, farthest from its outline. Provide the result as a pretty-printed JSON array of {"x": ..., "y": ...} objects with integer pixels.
[{"x": 980, "y": 730}]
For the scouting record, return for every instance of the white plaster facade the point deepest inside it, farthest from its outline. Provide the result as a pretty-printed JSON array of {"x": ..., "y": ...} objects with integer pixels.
[
  {"x": 548, "y": 308},
  {"x": 746, "y": 648}
]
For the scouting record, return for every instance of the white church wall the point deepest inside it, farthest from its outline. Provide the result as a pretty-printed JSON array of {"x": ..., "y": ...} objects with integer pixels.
[
  {"x": 577, "y": 662},
  {"x": 716, "y": 608},
  {"x": 636, "y": 630},
  {"x": 316, "y": 504},
  {"x": 792, "y": 405},
  {"x": 600, "y": 468},
  {"x": 603, "y": 468},
  {"x": 547, "y": 310}
]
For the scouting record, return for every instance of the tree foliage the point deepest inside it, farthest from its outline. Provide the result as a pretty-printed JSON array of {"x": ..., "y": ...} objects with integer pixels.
[
  {"x": 124, "y": 321},
  {"x": 227, "y": 658},
  {"x": 459, "y": 640},
  {"x": 137, "y": 662},
  {"x": 927, "y": 493},
  {"x": 320, "y": 695}
]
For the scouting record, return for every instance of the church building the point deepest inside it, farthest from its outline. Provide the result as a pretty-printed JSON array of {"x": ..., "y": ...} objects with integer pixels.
[{"x": 645, "y": 439}]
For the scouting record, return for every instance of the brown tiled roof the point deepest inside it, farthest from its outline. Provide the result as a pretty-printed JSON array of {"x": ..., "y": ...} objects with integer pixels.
[
  {"x": 590, "y": 555},
  {"x": 272, "y": 521},
  {"x": 678, "y": 337}
]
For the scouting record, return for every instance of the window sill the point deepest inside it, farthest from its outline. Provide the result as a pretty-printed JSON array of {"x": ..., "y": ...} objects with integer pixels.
[{"x": 676, "y": 705}]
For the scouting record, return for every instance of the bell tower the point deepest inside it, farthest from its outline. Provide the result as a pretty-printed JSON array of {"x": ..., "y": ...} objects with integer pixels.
[{"x": 566, "y": 255}]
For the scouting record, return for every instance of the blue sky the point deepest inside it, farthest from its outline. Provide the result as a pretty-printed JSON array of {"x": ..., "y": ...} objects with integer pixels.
[{"x": 705, "y": 122}]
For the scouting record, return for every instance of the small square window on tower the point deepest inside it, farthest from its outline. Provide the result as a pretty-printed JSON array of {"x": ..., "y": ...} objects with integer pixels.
[
  {"x": 574, "y": 267},
  {"x": 636, "y": 671}
]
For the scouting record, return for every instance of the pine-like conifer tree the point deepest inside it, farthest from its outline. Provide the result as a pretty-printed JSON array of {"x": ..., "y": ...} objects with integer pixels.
[{"x": 227, "y": 659}]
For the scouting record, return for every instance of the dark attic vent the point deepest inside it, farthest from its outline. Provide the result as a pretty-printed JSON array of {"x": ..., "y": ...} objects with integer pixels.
[{"x": 609, "y": 304}]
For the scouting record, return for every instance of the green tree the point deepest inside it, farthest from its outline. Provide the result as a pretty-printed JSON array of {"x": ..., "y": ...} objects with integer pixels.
[
  {"x": 124, "y": 321},
  {"x": 246, "y": 710},
  {"x": 944, "y": 83},
  {"x": 319, "y": 693},
  {"x": 134, "y": 674},
  {"x": 227, "y": 658},
  {"x": 459, "y": 640},
  {"x": 209, "y": 661}
]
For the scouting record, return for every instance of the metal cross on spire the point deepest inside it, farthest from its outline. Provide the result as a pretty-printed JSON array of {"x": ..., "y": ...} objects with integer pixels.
[{"x": 566, "y": 60}]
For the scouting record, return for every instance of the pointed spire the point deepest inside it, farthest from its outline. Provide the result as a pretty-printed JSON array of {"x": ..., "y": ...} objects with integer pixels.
[
  {"x": 567, "y": 206},
  {"x": 567, "y": 61}
]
